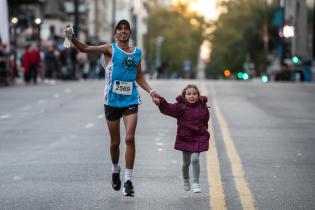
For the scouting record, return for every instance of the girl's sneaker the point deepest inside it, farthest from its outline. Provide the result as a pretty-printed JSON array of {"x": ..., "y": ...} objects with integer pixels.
[
  {"x": 186, "y": 184},
  {"x": 196, "y": 188}
]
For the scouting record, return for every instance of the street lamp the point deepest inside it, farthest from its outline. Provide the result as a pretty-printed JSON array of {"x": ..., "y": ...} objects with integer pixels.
[
  {"x": 14, "y": 21},
  {"x": 287, "y": 31},
  {"x": 38, "y": 22}
]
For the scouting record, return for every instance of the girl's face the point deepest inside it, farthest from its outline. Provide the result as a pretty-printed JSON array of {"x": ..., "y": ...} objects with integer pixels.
[{"x": 191, "y": 95}]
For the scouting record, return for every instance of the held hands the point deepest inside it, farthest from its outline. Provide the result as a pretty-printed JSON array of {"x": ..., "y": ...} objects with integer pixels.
[{"x": 155, "y": 97}]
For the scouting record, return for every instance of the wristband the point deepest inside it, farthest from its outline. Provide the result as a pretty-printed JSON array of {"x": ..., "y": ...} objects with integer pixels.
[{"x": 152, "y": 91}]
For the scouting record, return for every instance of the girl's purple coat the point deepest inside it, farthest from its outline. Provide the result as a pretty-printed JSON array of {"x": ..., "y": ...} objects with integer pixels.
[{"x": 192, "y": 123}]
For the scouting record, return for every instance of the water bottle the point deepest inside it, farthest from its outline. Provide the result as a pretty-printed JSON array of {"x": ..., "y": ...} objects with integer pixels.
[{"x": 68, "y": 36}]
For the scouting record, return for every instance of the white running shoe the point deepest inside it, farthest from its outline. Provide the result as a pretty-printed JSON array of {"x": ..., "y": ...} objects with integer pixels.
[
  {"x": 196, "y": 188},
  {"x": 186, "y": 184}
]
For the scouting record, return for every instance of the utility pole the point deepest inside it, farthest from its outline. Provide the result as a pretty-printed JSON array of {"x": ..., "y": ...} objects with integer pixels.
[
  {"x": 97, "y": 19},
  {"x": 134, "y": 22},
  {"x": 76, "y": 17},
  {"x": 113, "y": 19},
  {"x": 314, "y": 31}
]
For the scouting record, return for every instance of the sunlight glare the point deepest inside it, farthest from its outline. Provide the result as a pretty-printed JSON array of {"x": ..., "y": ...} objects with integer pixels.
[
  {"x": 207, "y": 8},
  {"x": 205, "y": 51}
]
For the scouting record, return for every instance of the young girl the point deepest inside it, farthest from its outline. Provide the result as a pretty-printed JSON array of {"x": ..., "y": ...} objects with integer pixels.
[{"x": 192, "y": 137}]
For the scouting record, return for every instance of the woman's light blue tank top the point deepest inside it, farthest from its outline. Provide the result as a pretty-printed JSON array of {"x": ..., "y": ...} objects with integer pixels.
[{"x": 121, "y": 89}]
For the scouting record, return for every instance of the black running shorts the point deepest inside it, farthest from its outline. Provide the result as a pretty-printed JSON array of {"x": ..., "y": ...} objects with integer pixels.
[{"x": 115, "y": 113}]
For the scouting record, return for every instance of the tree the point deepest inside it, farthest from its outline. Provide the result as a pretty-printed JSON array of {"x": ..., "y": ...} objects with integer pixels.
[
  {"x": 239, "y": 33},
  {"x": 182, "y": 32}
]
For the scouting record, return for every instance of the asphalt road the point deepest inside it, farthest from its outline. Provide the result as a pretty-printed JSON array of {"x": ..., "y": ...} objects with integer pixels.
[{"x": 54, "y": 149}]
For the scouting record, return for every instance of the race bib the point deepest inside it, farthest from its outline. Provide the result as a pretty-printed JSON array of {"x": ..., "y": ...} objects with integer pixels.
[{"x": 121, "y": 87}]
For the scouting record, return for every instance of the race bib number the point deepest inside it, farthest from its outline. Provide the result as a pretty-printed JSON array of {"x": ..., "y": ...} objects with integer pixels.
[{"x": 124, "y": 88}]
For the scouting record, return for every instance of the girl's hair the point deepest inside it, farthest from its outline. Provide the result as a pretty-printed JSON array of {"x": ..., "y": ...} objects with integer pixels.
[
  {"x": 198, "y": 92},
  {"x": 190, "y": 86}
]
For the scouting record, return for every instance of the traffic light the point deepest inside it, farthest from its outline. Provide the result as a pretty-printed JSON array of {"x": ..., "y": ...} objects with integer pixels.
[
  {"x": 296, "y": 59},
  {"x": 245, "y": 76},
  {"x": 264, "y": 79},
  {"x": 240, "y": 75},
  {"x": 227, "y": 73}
]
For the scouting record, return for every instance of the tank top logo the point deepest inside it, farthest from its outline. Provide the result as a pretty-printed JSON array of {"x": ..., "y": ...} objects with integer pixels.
[{"x": 129, "y": 62}]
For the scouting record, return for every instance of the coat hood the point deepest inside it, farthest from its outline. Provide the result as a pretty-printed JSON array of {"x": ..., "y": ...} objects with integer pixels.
[{"x": 180, "y": 99}]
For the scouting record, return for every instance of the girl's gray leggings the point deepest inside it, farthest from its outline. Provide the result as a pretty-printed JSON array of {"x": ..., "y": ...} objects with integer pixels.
[{"x": 194, "y": 159}]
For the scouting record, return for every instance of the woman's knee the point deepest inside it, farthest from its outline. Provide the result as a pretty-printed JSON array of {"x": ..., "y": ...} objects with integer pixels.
[{"x": 130, "y": 139}]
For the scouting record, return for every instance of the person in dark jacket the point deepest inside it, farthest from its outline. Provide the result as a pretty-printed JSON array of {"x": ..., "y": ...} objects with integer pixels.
[
  {"x": 192, "y": 137},
  {"x": 26, "y": 64},
  {"x": 51, "y": 64}
]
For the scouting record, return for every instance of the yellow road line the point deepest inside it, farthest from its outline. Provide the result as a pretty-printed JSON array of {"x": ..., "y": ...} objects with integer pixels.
[
  {"x": 217, "y": 198},
  {"x": 241, "y": 184}
]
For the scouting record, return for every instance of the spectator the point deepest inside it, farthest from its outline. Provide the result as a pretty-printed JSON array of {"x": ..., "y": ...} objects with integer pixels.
[
  {"x": 34, "y": 61},
  {"x": 13, "y": 61},
  {"x": 26, "y": 63},
  {"x": 3, "y": 64},
  {"x": 83, "y": 64},
  {"x": 51, "y": 64}
]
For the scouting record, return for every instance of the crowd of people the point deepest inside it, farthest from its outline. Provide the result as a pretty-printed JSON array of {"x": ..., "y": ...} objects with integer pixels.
[{"x": 46, "y": 62}]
